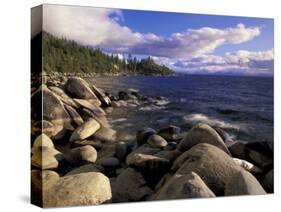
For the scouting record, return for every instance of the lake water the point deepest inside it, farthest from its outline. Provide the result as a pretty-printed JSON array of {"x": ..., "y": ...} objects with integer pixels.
[{"x": 242, "y": 106}]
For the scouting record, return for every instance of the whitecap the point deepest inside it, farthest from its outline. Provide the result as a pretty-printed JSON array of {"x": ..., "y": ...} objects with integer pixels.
[
  {"x": 151, "y": 108},
  {"x": 201, "y": 118},
  {"x": 118, "y": 120}
]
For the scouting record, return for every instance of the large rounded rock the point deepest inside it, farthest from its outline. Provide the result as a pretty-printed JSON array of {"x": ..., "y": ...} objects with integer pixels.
[
  {"x": 86, "y": 168},
  {"x": 212, "y": 164},
  {"x": 202, "y": 133},
  {"x": 81, "y": 189},
  {"x": 63, "y": 96},
  {"x": 105, "y": 134},
  {"x": 248, "y": 166},
  {"x": 121, "y": 150},
  {"x": 109, "y": 162},
  {"x": 53, "y": 110},
  {"x": 85, "y": 130},
  {"x": 46, "y": 158},
  {"x": 43, "y": 126},
  {"x": 157, "y": 141},
  {"x": 82, "y": 155},
  {"x": 76, "y": 118},
  {"x": 184, "y": 186},
  {"x": 105, "y": 100},
  {"x": 130, "y": 186},
  {"x": 42, "y": 141},
  {"x": 90, "y": 105},
  {"x": 94, "y": 143},
  {"x": 79, "y": 88},
  {"x": 243, "y": 183}
]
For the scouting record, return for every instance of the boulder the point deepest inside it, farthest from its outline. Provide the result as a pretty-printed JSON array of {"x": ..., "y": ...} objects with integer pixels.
[
  {"x": 144, "y": 134},
  {"x": 46, "y": 157},
  {"x": 89, "y": 188},
  {"x": 43, "y": 126},
  {"x": 43, "y": 141},
  {"x": 41, "y": 181},
  {"x": 248, "y": 166},
  {"x": 184, "y": 186},
  {"x": 82, "y": 155},
  {"x": 85, "y": 130},
  {"x": 86, "y": 168},
  {"x": 148, "y": 162},
  {"x": 212, "y": 164},
  {"x": 157, "y": 141},
  {"x": 53, "y": 110},
  {"x": 268, "y": 182},
  {"x": 76, "y": 118},
  {"x": 249, "y": 152},
  {"x": 92, "y": 106},
  {"x": 79, "y": 88},
  {"x": 63, "y": 96},
  {"x": 243, "y": 183},
  {"x": 94, "y": 143},
  {"x": 170, "y": 155},
  {"x": 202, "y": 133},
  {"x": 169, "y": 133},
  {"x": 105, "y": 100},
  {"x": 129, "y": 186},
  {"x": 109, "y": 162},
  {"x": 105, "y": 135},
  {"x": 171, "y": 146}
]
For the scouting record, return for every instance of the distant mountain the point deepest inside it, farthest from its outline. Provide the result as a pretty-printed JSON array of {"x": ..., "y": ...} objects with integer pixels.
[{"x": 62, "y": 55}]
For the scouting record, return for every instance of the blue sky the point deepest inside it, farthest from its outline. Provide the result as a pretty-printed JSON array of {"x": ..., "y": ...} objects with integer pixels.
[{"x": 189, "y": 43}]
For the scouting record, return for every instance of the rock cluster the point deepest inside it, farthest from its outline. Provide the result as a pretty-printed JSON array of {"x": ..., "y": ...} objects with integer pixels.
[{"x": 78, "y": 160}]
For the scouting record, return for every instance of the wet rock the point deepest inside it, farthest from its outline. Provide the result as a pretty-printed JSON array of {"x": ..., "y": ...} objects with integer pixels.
[
  {"x": 212, "y": 164},
  {"x": 110, "y": 162},
  {"x": 85, "y": 169},
  {"x": 82, "y": 155},
  {"x": 121, "y": 150},
  {"x": 169, "y": 133},
  {"x": 157, "y": 141},
  {"x": 143, "y": 135},
  {"x": 46, "y": 157},
  {"x": 85, "y": 130},
  {"x": 80, "y": 89},
  {"x": 123, "y": 95},
  {"x": 105, "y": 100},
  {"x": 202, "y": 133},
  {"x": 170, "y": 146},
  {"x": 184, "y": 186},
  {"x": 130, "y": 186},
  {"x": 243, "y": 183},
  {"x": 81, "y": 189}
]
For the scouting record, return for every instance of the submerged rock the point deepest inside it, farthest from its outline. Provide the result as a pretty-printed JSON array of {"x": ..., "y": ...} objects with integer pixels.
[
  {"x": 89, "y": 188},
  {"x": 144, "y": 134},
  {"x": 169, "y": 133},
  {"x": 202, "y": 133}
]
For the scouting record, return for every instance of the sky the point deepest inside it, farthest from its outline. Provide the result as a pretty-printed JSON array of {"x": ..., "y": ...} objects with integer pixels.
[{"x": 186, "y": 43}]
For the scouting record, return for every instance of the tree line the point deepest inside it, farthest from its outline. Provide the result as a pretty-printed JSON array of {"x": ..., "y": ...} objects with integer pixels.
[{"x": 63, "y": 55}]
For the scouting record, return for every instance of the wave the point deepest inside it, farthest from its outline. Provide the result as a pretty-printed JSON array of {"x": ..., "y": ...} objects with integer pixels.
[{"x": 201, "y": 118}]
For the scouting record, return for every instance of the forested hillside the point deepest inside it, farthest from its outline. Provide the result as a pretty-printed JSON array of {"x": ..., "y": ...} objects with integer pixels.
[{"x": 62, "y": 55}]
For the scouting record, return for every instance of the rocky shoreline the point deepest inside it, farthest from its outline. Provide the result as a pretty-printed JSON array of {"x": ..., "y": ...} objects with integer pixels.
[{"x": 78, "y": 159}]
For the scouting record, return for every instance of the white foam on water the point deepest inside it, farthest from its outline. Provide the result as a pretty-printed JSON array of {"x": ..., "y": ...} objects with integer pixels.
[
  {"x": 201, "y": 118},
  {"x": 119, "y": 120},
  {"x": 151, "y": 108}
]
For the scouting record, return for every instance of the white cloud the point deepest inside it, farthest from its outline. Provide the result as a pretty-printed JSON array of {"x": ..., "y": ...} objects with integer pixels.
[
  {"x": 102, "y": 28},
  {"x": 243, "y": 62}
]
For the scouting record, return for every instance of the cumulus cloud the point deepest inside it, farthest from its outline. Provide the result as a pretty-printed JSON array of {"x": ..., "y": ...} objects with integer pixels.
[
  {"x": 103, "y": 28},
  {"x": 243, "y": 62}
]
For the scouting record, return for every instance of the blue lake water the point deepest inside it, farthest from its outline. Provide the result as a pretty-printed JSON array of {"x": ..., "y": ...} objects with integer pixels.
[{"x": 242, "y": 106}]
